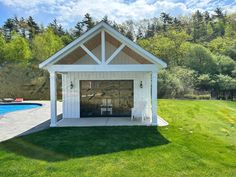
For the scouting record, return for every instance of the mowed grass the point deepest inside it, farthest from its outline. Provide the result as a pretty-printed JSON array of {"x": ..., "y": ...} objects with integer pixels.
[{"x": 200, "y": 141}]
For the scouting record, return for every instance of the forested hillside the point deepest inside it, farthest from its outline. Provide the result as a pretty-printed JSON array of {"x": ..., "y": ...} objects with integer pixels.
[{"x": 200, "y": 52}]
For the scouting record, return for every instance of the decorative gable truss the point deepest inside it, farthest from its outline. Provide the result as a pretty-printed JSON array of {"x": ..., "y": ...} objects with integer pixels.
[
  {"x": 103, "y": 49},
  {"x": 102, "y": 45}
]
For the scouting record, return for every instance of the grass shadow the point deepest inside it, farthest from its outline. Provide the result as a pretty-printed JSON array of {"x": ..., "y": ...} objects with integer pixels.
[{"x": 57, "y": 144}]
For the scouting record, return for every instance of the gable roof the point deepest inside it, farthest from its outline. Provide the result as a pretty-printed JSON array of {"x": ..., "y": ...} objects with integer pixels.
[{"x": 92, "y": 32}]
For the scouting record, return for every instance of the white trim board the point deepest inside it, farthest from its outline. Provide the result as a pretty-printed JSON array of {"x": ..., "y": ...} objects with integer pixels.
[{"x": 102, "y": 68}]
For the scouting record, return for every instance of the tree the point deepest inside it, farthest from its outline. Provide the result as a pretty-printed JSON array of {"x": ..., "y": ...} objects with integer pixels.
[
  {"x": 2, "y": 48},
  {"x": 139, "y": 34},
  {"x": 57, "y": 29},
  {"x": 78, "y": 29},
  {"x": 231, "y": 52},
  {"x": 160, "y": 46},
  {"x": 66, "y": 39},
  {"x": 106, "y": 20},
  {"x": 187, "y": 78},
  {"x": 204, "y": 82},
  {"x": 22, "y": 26},
  {"x": 219, "y": 14},
  {"x": 166, "y": 19},
  {"x": 199, "y": 27},
  {"x": 169, "y": 85},
  {"x": 225, "y": 65},
  {"x": 88, "y": 21},
  {"x": 220, "y": 44},
  {"x": 46, "y": 44},
  {"x": 207, "y": 17},
  {"x": 200, "y": 59},
  {"x": 150, "y": 31},
  {"x": 33, "y": 27},
  {"x": 171, "y": 47},
  {"x": 177, "y": 23},
  {"x": 218, "y": 29},
  {"x": 224, "y": 86},
  {"x": 129, "y": 35},
  {"x": 8, "y": 27},
  {"x": 17, "y": 50}
]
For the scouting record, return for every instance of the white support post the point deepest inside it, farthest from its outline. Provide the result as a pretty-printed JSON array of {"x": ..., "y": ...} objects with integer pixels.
[
  {"x": 53, "y": 98},
  {"x": 103, "y": 46},
  {"x": 154, "y": 98}
]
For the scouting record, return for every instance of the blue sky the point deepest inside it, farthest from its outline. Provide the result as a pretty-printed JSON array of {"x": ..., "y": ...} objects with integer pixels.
[{"x": 68, "y": 12}]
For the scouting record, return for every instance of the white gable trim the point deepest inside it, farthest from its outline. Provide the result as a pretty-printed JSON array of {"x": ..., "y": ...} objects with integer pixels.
[
  {"x": 91, "y": 33},
  {"x": 134, "y": 46},
  {"x": 70, "y": 47}
]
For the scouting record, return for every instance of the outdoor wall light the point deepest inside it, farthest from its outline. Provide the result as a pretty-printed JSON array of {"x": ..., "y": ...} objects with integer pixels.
[
  {"x": 71, "y": 85},
  {"x": 141, "y": 84}
]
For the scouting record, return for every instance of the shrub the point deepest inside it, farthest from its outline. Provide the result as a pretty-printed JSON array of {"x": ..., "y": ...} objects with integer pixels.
[
  {"x": 190, "y": 96},
  {"x": 201, "y": 97},
  {"x": 204, "y": 97}
]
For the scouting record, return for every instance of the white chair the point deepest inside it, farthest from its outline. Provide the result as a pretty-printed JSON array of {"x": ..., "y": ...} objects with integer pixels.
[
  {"x": 106, "y": 106},
  {"x": 139, "y": 111}
]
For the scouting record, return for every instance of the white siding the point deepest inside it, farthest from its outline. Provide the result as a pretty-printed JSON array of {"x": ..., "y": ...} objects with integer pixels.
[{"x": 71, "y": 97}]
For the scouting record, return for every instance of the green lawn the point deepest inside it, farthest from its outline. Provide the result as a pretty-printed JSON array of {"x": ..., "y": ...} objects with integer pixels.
[{"x": 200, "y": 141}]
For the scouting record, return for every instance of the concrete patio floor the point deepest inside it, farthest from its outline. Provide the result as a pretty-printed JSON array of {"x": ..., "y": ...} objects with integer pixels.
[{"x": 107, "y": 121}]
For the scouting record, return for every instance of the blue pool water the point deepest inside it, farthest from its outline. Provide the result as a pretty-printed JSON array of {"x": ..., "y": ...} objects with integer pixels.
[{"x": 6, "y": 108}]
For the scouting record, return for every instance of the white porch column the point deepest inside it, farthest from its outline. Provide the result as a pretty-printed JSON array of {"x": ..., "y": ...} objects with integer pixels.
[
  {"x": 53, "y": 98},
  {"x": 154, "y": 98}
]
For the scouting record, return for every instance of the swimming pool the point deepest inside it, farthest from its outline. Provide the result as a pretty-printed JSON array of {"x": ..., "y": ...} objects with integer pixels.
[{"x": 11, "y": 107}]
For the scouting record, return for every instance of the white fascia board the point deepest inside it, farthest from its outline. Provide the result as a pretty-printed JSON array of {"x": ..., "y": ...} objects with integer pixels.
[
  {"x": 72, "y": 46},
  {"x": 134, "y": 46},
  {"x": 103, "y": 68}
]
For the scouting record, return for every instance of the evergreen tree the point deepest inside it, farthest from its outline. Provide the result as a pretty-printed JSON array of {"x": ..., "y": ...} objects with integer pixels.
[
  {"x": 33, "y": 27},
  {"x": 8, "y": 27},
  {"x": 78, "y": 29},
  {"x": 140, "y": 34},
  {"x": 219, "y": 13},
  {"x": 177, "y": 23},
  {"x": 166, "y": 19},
  {"x": 88, "y": 21},
  {"x": 199, "y": 27},
  {"x": 106, "y": 20},
  {"x": 207, "y": 17},
  {"x": 60, "y": 31},
  {"x": 57, "y": 29},
  {"x": 129, "y": 35},
  {"x": 23, "y": 27},
  {"x": 150, "y": 31}
]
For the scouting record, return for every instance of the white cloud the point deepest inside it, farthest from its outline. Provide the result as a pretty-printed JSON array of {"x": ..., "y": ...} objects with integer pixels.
[{"x": 68, "y": 12}]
